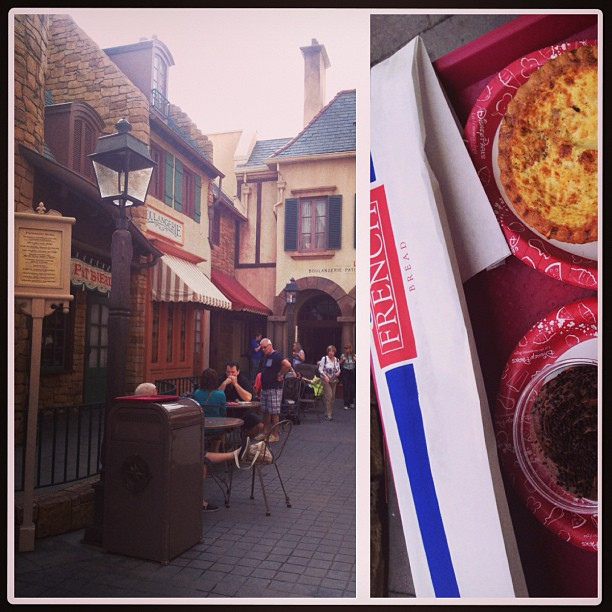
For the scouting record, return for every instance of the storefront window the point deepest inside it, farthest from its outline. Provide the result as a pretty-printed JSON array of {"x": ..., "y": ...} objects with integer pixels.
[
  {"x": 155, "y": 334},
  {"x": 55, "y": 353},
  {"x": 169, "y": 332},
  {"x": 183, "y": 331}
]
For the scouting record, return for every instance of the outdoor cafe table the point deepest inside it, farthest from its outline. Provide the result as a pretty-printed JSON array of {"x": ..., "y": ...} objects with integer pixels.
[
  {"x": 239, "y": 409},
  {"x": 222, "y": 473},
  {"x": 504, "y": 303}
]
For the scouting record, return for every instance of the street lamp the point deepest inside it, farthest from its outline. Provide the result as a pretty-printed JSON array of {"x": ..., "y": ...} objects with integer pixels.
[
  {"x": 123, "y": 170},
  {"x": 291, "y": 291}
]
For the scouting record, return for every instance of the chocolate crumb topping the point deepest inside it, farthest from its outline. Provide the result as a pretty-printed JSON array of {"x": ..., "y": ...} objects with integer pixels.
[{"x": 565, "y": 424}]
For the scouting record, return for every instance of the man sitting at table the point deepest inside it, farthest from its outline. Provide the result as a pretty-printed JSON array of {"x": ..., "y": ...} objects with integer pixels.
[{"x": 235, "y": 385}]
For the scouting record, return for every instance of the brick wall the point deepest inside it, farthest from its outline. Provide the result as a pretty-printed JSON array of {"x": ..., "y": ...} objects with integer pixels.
[
  {"x": 190, "y": 128},
  {"x": 31, "y": 32},
  {"x": 79, "y": 70},
  {"x": 223, "y": 253},
  {"x": 53, "y": 54}
]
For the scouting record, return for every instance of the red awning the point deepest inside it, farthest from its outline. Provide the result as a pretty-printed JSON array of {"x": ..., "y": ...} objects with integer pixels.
[{"x": 240, "y": 298}]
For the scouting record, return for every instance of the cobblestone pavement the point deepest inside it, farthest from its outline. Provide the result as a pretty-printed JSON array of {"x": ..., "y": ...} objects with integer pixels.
[{"x": 305, "y": 551}]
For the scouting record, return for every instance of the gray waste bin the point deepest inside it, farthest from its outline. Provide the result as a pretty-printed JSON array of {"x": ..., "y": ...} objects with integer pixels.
[{"x": 153, "y": 477}]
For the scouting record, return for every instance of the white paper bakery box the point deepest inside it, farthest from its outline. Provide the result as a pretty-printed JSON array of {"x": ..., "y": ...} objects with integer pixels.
[{"x": 431, "y": 397}]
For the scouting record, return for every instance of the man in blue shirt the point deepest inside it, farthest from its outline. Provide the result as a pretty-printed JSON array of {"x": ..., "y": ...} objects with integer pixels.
[{"x": 255, "y": 356}]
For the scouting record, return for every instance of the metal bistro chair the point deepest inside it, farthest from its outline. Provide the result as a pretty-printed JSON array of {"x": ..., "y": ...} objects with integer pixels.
[
  {"x": 290, "y": 404},
  {"x": 273, "y": 450},
  {"x": 220, "y": 473}
]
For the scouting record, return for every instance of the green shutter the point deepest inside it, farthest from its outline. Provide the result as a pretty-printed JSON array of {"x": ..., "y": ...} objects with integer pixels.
[
  {"x": 291, "y": 224},
  {"x": 334, "y": 228},
  {"x": 178, "y": 185},
  {"x": 197, "y": 198},
  {"x": 168, "y": 179}
]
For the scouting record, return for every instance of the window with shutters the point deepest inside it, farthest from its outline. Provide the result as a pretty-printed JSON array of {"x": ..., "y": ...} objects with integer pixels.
[
  {"x": 84, "y": 144},
  {"x": 71, "y": 134},
  {"x": 181, "y": 188},
  {"x": 313, "y": 224},
  {"x": 188, "y": 193},
  {"x": 157, "y": 178}
]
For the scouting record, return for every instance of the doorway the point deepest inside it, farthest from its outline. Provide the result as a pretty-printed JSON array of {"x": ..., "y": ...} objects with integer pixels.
[
  {"x": 96, "y": 349},
  {"x": 318, "y": 326}
]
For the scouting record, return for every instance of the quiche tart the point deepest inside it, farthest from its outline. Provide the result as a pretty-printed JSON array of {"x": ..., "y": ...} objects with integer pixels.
[{"x": 547, "y": 148}]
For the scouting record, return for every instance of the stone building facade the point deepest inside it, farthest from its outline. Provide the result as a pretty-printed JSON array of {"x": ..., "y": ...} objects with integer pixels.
[{"x": 68, "y": 92}]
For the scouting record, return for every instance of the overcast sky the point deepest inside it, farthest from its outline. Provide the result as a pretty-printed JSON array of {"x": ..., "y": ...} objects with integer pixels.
[{"x": 242, "y": 68}]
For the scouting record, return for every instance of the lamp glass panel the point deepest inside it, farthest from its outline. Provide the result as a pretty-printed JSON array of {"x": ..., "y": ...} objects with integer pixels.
[
  {"x": 108, "y": 179},
  {"x": 139, "y": 183}
]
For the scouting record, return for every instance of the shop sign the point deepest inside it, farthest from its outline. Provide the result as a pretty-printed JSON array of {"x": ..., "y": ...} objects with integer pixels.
[
  {"x": 164, "y": 225},
  {"x": 90, "y": 276}
]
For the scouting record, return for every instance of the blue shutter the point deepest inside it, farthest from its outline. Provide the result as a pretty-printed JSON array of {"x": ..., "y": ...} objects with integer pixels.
[
  {"x": 197, "y": 198},
  {"x": 334, "y": 227},
  {"x": 291, "y": 224},
  {"x": 168, "y": 179},
  {"x": 178, "y": 186}
]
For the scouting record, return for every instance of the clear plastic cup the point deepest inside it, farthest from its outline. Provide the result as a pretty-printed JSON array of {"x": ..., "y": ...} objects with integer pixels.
[{"x": 529, "y": 454}]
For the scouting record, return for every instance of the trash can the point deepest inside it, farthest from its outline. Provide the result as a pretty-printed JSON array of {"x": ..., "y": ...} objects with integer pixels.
[{"x": 153, "y": 477}]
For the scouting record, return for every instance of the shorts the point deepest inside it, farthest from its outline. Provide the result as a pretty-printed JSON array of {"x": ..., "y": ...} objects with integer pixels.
[{"x": 271, "y": 401}]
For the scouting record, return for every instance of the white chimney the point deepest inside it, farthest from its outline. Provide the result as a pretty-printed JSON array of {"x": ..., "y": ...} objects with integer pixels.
[{"x": 315, "y": 64}]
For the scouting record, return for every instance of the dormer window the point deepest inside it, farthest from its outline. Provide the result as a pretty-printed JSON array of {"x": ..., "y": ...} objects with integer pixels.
[
  {"x": 160, "y": 83},
  {"x": 71, "y": 133},
  {"x": 160, "y": 75}
]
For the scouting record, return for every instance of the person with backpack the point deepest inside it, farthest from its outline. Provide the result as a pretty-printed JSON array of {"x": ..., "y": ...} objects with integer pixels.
[{"x": 329, "y": 369}]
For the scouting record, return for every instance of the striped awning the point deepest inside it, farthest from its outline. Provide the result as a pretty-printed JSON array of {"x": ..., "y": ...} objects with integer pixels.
[{"x": 177, "y": 280}]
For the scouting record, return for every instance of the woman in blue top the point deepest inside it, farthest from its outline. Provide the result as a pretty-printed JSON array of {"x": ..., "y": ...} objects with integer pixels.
[{"x": 212, "y": 401}]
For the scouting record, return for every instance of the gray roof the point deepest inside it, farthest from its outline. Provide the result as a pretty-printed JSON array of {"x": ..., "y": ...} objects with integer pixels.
[
  {"x": 332, "y": 130},
  {"x": 262, "y": 150}
]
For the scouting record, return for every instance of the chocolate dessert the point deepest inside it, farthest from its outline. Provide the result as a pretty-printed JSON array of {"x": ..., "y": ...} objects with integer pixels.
[{"x": 565, "y": 424}]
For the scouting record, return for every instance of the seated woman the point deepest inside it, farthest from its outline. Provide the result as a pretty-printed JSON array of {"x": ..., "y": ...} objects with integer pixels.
[{"x": 212, "y": 401}]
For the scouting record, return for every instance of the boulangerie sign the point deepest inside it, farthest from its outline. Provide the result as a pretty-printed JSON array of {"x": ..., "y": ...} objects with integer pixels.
[{"x": 430, "y": 393}]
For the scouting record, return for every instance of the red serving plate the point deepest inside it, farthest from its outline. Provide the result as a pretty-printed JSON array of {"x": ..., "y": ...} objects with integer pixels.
[{"x": 575, "y": 264}]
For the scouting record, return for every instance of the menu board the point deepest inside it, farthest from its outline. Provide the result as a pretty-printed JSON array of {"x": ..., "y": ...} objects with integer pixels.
[
  {"x": 39, "y": 257},
  {"x": 42, "y": 255}
]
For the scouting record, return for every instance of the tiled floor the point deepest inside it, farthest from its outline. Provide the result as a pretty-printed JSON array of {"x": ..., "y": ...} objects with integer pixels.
[{"x": 307, "y": 550}]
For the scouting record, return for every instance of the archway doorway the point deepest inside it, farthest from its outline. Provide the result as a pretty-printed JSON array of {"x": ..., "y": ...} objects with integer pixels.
[{"x": 318, "y": 326}]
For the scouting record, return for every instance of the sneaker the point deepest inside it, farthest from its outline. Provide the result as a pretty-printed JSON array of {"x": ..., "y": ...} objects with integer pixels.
[
  {"x": 245, "y": 449},
  {"x": 346, "y": 407},
  {"x": 273, "y": 438},
  {"x": 210, "y": 508},
  {"x": 241, "y": 456},
  {"x": 329, "y": 418}
]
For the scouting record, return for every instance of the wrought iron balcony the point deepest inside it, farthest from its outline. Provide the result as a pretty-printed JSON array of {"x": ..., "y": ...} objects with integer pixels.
[{"x": 160, "y": 103}]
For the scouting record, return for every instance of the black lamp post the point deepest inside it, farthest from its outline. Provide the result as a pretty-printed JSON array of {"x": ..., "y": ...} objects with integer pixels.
[
  {"x": 123, "y": 170},
  {"x": 291, "y": 291}
]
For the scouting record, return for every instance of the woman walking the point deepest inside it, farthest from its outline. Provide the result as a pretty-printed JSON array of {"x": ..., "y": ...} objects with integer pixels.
[
  {"x": 329, "y": 368},
  {"x": 347, "y": 376}
]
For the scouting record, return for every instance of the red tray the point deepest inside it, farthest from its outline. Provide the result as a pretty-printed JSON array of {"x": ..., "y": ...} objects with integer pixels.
[{"x": 504, "y": 303}]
